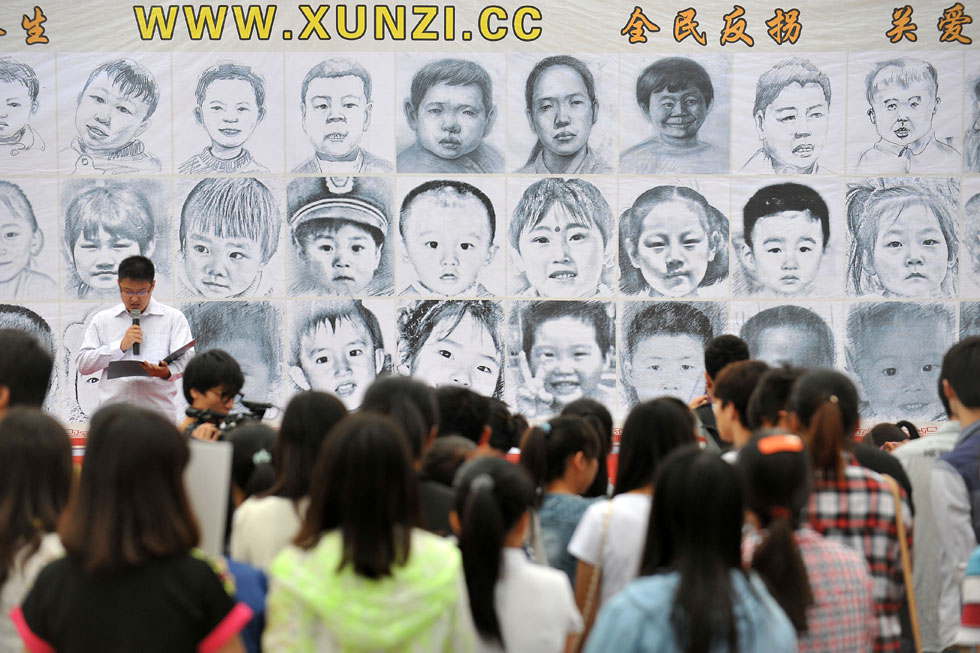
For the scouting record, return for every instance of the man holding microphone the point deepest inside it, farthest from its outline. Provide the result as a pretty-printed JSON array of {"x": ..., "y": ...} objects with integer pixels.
[{"x": 140, "y": 329}]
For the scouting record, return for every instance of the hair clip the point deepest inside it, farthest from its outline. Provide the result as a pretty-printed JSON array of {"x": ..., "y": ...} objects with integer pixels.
[
  {"x": 833, "y": 399},
  {"x": 482, "y": 482},
  {"x": 779, "y": 444},
  {"x": 261, "y": 456}
]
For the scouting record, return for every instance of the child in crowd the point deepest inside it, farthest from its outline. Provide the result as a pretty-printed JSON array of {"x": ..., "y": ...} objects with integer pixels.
[
  {"x": 35, "y": 481},
  {"x": 895, "y": 350},
  {"x": 675, "y": 94},
  {"x": 903, "y": 238},
  {"x": 731, "y": 394},
  {"x": 21, "y": 241},
  {"x": 230, "y": 105},
  {"x": 339, "y": 237},
  {"x": 103, "y": 225},
  {"x": 229, "y": 230},
  {"x": 338, "y": 348},
  {"x": 785, "y": 228},
  {"x": 444, "y": 458},
  {"x": 516, "y": 605},
  {"x": 601, "y": 420},
  {"x": 565, "y": 351},
  {"x": 265, "y": 524},
  {"x": 561, "y": 108},
  {"x": 447, "y": 230},
  {"x": 789, "y": 335},
  {"x": 336, "y": 104},
  {"x": 453, "y": 343},
  {"x": 903, "y": 96},
  {"x": 672, "y": 243},
  {"x": 693, "y": 593},
  {"x": 664, "y": 351},
  {"x": 451, "y": 111},
  {"x": 114, "y": 108},
  {"x": 562, "y": 457},
  {"x": 389, "y": 585},
  {"x": 562, "y": 234},
  {"x": 19, "y": 88}
]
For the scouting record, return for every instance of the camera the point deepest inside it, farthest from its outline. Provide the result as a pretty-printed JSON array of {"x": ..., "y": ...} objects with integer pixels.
[{"x": 225, "y": 422}]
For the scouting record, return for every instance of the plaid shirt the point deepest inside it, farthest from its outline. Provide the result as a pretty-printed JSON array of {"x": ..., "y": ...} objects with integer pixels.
[{"x": 858, "y": 511}]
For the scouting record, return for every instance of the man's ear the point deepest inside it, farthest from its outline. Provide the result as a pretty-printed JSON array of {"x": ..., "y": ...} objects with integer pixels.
[
  {"x": 709, "y": 384},
  {"x": 198, "y": 117},
  {"x": 195, "y": 395},
  {"x": 367, "y": 115},
  {"x": 491, "y": 118},
  {"x": 411, "y": 115},
  {"x": 948, "y": 391},
  {"x": 871, "y": 116},
  {"x": 748, "y": 258},
  {"x": 935, "y": 107},
  {"x": 34, "y": 106},
  {"x": 298, "y": 376}
]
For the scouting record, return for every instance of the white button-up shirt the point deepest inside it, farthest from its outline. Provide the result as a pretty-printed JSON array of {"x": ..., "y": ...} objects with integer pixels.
[{"x": 164, "y": 330}]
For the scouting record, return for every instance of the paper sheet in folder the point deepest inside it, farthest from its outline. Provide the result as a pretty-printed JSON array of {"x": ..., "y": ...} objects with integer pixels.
[{"x": 121, "y": 369}]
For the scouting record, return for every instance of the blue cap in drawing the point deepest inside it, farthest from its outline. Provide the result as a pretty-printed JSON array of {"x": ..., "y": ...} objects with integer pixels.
[{"x": 363, "y": 200}]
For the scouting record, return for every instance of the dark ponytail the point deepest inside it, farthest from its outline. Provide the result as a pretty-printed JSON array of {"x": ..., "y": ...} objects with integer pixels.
[
  {"x": 826, "y": 404},
  {"x": 776, "y": 476},
  {"x": 546, "y": 448},
  {"x": 491, "y": 497}
]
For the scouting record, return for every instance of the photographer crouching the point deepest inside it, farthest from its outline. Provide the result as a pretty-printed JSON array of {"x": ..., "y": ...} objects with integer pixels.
[{"x": 212, "y": 381}]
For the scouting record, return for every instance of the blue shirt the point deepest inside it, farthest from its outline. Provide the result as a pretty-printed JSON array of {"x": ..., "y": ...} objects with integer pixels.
[{"x": 559, "y": 515}]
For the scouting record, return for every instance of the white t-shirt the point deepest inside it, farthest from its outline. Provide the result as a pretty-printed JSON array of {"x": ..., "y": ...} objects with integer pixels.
[
  {"x": 535, "y": 607},
  {"x": 262, "y": 527},
  {"x": 19, "y": 583},
  {"x": 626, "y": 534}
]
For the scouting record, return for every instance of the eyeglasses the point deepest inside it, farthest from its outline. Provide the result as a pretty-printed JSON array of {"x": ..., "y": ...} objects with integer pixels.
[
  {"x": 135, "y": 293},
  {"x": 229, "y": 396}
]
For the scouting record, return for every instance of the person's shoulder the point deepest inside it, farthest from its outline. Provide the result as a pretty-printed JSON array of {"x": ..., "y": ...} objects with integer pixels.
[
  {"x": 263, "y": 506},
  {"x": 373, "y": 163},
  {"x": 488, "y": 158},
  {"x": 758, "y": 163},
  {"x": 307, "y": 167},
  {"x": 193, "y": 165},
  {"x": 38, "y": 284},
  {"x": 645, "y": 148}
]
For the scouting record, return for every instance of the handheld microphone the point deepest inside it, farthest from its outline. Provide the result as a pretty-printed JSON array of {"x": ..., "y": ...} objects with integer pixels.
[{"x": 135, "y": 314}]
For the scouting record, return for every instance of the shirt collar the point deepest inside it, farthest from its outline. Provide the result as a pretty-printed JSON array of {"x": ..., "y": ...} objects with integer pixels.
[
  {"x": 153, "y": 308},
  {"x": 916, "y": 147}
]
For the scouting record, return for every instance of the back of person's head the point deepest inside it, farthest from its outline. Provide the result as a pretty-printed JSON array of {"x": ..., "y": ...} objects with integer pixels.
[
  {"x": 702, "y": 545},
  {"x": 131, "y": 505},
  {"x": 365, "y": 489},
  {"x": 723, "y": 350},
  {"x": 445, "y": 457},
  {"x": 825, "y": 403},
  {"x": 775, "y": 472},
  {"x": 408, "y": 401},
  {"x": 961, "y": 370},
  {"x": 506, "y": 428},
  {"x": 213, "y": 368},
  {"x": 884, "y": 432},
  {"x": 308, "y": 418},
  {"x": 735, "y": 384},
  {"x": 251, "y": 458},
  {"x": 652, "y": 430},
  {"x": 462, "y": 412},
  {"x": 35, "y": 480},
  {"x": 25, "y": 368},
  {"x": 549, "y": 448},
  {"x": 768, "y": 403},
  {"x": 910, "y": 429},
  {"x": 136, "y": 268},
  {"x": 492, "y": 497},
  {"x": 601, "y": 420}
]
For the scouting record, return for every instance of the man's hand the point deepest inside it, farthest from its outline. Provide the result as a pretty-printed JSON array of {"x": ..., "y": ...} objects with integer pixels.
[
  {"x": 697, "y": 402},
  {"x": 207, "y": 432},
  {"x": 160, "y": 370},
  {"x": 133, "y": 334}
]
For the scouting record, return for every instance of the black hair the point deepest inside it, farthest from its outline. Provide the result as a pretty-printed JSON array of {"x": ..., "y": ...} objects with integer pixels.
[
  {"x": 826, "y": 403},
  {"x": 308, "y": 418},
  {"x": 911, "y": 430},
  {"x": 590, "y": 312},
  {"x": 702, "y": 546},
  {"x": 136, "y": 268},
  {"x": 961, "y": 369},
  {"x": 133, "y": 80},
  {"x": 460, "y": 188},
  {"x": 506, "y": 428},
  {"x": 789, "y": 315},
  {"x": 771, "y": 396},
  {"x": 667, "y": 318},
  {"x": 366, "y": 489},
  {"x": 452, "y": 72},
  {"x": 884, "y": 432},
  {"x": 255, "y": 322},
  {"x": 546, "y": 448},
  {"x": 35, "y": 480},
  {"x": 444, "y": 458},
  {"x": 785, "y": 197},
  {"x": 491, "y": 496},
  {"x": 410, "y": 402},
  {"x": 251, "y": 458},
  {"x": 735, "y": 384},
  {"x": 777, "y": 487},
  {"x": 673, "y": 74},
  {"x": 721, "y": 351},
  {"x": 601, "y": 420},
  {"x": 25, "y": 365},
  {"x": 462, "y": 412},
  {"x": 652, "y": 430},
  {"x": 550, "y": 62},
  {"x": 212, "y": 369}
]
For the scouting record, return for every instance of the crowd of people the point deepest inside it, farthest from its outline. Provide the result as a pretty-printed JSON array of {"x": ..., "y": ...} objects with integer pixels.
[{"x": 436, "y": 519}]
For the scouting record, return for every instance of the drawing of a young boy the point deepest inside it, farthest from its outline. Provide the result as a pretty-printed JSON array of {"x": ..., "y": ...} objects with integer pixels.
[
  {"x": 229, "y": 229},
  {"x": 451, "y": 111},
  {"x": 21, "y": 241},
  {"x": 789, "y": 335},
  {"x": 339, "y": 237},
  {"x": 447, "y": 229},
  {"x": 230, "y": 105},
  {"x": 336, "y": 104},
  {"x": 903, "y": 97},
  {"x": 338, "y": 348},
  {"x": 19, "y": 87},
  {"x": 104, "y": 225},
  {"x": 114, "y": 108},
  {"x": 786, "y": 228}
]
